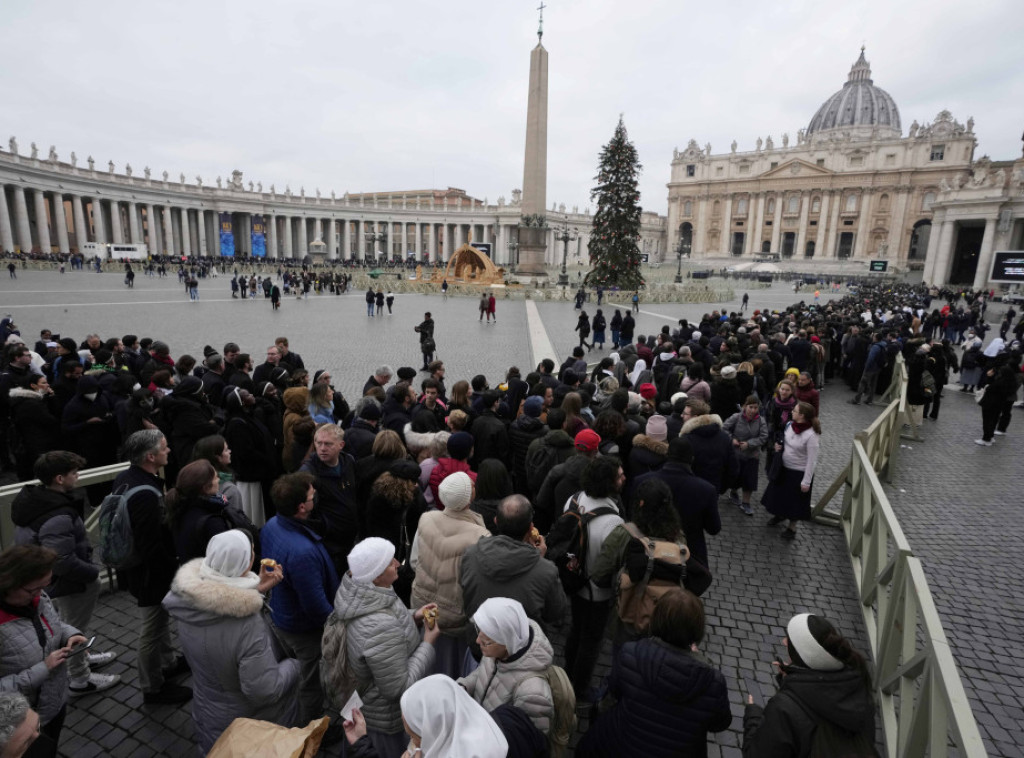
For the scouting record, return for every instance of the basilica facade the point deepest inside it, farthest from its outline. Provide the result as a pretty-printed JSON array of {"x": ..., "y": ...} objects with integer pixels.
[{"x": 851, "y": 186}]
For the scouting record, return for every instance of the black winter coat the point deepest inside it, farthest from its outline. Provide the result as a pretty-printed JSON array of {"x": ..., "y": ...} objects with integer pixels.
[
  {"x": 252, "y": 448},
  {"x": 189, "y": 420},
  {"x": 714, "y": 458},
  {"x": 337, "y": 507},
  {"x": 202, "y": 518},
  {"x": 521, "y": 433},
  {"x": 726, "y": 397},
  {"x": 151, "y": 580},
  {"x": 359, "y": 438},
  {"x": 695, "y": 500},
  {"x": 490, "y": 439},
  {"x": 668, "y": 700},
  {"x": 37, "y": 430},
  {"x": 785, "y": 727}
]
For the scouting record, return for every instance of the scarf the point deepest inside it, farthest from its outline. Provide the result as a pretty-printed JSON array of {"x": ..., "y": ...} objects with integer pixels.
[{"x": 800, "y": 428}]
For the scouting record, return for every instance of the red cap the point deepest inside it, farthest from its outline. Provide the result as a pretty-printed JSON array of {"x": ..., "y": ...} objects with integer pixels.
[
  {"x": 588, "y": 440},
  {"x": 648, "y": 391}
]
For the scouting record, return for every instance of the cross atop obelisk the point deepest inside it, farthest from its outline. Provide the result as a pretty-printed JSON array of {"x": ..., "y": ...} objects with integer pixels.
[{"x": 540, "y": 26}]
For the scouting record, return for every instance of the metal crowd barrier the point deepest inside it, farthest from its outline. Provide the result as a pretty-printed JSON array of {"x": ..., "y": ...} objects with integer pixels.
[{"x": 921, "y": 698}]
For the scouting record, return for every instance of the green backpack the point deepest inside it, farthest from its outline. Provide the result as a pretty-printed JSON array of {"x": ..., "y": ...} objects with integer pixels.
[{"x": 563, "y": 720}]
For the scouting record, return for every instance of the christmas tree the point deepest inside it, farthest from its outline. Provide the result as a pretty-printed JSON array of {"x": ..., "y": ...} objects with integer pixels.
[{"x": 614, "y": 253}]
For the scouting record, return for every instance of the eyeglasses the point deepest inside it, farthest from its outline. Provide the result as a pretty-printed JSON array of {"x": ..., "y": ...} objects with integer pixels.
[{"x": 34, "y": 590}]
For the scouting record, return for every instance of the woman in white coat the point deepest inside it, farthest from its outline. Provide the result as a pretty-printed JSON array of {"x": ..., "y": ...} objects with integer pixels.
[{"x": 217, "y": 602}]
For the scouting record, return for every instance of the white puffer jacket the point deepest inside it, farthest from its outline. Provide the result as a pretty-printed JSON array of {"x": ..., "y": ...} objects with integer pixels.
[{"x": 519, "y": 682}]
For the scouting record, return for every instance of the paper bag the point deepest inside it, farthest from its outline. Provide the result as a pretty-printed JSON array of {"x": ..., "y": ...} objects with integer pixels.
[{"x": 248, "y": 737}]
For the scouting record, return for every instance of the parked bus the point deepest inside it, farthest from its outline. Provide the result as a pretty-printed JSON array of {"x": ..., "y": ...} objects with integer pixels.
[{"x": 115, "y": 251}]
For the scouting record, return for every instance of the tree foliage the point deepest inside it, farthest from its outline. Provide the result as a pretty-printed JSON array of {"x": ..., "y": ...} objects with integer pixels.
[{"x": 614, "y": 249}]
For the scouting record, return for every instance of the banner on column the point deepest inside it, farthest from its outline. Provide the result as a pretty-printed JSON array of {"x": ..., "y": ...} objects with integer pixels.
[
  {"x": 259, "y": 237},
  {"x": 227, "y": 239}
]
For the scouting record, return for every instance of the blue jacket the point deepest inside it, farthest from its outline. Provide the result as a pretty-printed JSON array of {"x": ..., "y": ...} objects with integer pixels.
[
  {"x": 302, "y": 602},
  {"x": 876, "y": 358},
  {"x": 668, "y": 699}
]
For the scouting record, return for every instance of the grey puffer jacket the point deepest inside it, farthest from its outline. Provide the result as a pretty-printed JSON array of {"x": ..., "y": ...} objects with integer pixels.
[
  {"x": 235, "y": 671},
  {"x": 753, "y": 432},
  {"x": 384, "y": 648},
  {"x": 518, "y": 680},
  {"x": 22, "y": 659}
]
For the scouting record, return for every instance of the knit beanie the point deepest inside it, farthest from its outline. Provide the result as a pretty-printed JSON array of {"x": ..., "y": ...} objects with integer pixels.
[
  {"x": 533, "y": 406},
  {"x": 369, "y": 559},
  {"x": 456, "y": 490},
  {"x": 460, "y": 445},
  {"x": 657, "y": 428}
]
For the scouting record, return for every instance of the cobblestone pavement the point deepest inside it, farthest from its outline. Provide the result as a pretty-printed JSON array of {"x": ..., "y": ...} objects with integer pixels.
[{"x": 760, "y": 580}]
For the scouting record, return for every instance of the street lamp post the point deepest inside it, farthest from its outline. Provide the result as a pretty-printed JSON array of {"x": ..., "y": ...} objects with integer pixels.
[
  {"x": 513, "y": 253},
  {"x": 565, "y": 237},
  {"x": 679, "y": 262}
]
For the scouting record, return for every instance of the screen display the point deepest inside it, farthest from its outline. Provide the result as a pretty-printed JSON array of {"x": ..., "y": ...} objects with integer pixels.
[{"x": 1008, "y": 267}]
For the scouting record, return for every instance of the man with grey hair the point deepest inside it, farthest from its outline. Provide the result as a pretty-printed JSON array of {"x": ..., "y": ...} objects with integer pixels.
[
  {"x": 147, "y": 452},
  {"x": 19, "y": 725},
  {"x": 381, "y": 376}
]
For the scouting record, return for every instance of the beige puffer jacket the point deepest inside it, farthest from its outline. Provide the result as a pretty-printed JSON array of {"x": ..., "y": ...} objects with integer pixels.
[
  {"x": 441, "y": 539},
  {"x": 519, "y": 682}
]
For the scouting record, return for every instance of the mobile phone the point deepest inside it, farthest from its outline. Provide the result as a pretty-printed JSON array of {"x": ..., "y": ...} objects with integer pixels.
[
  {"x": 753, "y": 688},
  {"x": 81, "y": 648}
]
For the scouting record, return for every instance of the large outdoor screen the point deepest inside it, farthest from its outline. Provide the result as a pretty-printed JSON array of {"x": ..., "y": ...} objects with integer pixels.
[{"x": 1008, "y": 267}]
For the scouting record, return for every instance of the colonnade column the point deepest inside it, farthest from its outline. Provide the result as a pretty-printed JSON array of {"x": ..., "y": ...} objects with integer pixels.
[
  {"x": 303, "y": 238},
  {"x": 21, "y": 220},
  {"x": 431, "y": 242},
  {"x": 42, "y": 222},
  {"x": 403, "y": 243},
  {"x": 133, "y": 224},
  {"x": 272, "y": 249},
  {"x": 727, "y": 227},
  {"x": 833, "y": 225},
  {"x": 201, "y": 229},
  {"x": 289, "y": 250},
  {"x": 99, "y": 225},
  {"x": 168, "y": 231},
  {"x": 152, "y": 240},
  {"x": 60, "y": 220},
  {"x": 186, "y": 235},
  {"x": 116, "y": 230},
  {"x": 6, "y": 232},
  {"x": 346, "y": 240},
  {"x": 801, "y": 231},
  {"x": 78, "y": 219},
  {"x": 332, "y": 237},
  {"x": 446, "y": 251}
]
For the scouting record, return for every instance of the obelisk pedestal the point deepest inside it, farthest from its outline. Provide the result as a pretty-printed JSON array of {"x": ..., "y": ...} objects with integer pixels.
[{"x": 532, "y": 230}]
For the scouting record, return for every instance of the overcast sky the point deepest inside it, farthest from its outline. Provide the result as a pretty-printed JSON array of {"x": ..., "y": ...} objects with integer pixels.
[{"x": 406, "y": 94}]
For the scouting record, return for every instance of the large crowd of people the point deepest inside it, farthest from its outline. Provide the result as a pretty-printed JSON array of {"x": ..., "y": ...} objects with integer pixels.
[{"x": 418, "y": 546}]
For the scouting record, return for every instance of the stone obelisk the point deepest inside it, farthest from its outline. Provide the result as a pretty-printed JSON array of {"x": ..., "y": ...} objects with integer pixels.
[{"x": 532, "y": 229}]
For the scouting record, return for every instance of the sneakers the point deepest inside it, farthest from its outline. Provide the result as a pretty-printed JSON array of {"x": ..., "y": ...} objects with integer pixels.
[
  {"x": 747, "y": 509},
  {"x": 100, "y": 659},
  {"x": 1000, "y": 434},
  {"x": 169, "y": 694},
  {"x": 983, "y": 443},
  {"x": 734, "y": 498},
  {"x": 96, "y": 683}
]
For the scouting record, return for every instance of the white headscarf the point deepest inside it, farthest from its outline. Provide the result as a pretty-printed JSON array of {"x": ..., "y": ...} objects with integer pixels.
[
  {"x": 228, "y": 554},
  {"x": 639, "y": 368},
  {"x": 615, "y": 358},
  {"x": 504, "y": 621},
  {"x": 994, "y": 347},
  {"x": 451, "y": 724}
]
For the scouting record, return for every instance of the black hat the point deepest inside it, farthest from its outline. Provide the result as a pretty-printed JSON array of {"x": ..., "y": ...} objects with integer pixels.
[
  {"x": 680, "y": 450},
  {"x": 405, "y": 469},
  {"x": 406, "y": 374}
]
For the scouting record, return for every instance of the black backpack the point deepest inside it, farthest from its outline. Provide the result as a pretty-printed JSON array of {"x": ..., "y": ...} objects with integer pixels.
[
  {"x": 567, "y": 544},
  {"x": 831, "y": 741}
]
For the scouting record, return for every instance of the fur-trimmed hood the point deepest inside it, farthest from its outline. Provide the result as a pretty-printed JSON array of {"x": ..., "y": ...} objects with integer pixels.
[
  {"x": 710, "y": 419},
  {"x": 649, "y": 443},
  {"x": 22, "y": 393},
  {"x": 199, "y": 601},
  {"x": 416, "y": 442}
]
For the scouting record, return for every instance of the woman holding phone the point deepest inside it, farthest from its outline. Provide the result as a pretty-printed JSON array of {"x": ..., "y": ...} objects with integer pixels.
[{"x": 34, "y": 642}]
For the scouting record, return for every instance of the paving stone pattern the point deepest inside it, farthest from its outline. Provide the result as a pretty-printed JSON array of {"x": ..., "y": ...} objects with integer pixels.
[{"x": 760, "y": 579}]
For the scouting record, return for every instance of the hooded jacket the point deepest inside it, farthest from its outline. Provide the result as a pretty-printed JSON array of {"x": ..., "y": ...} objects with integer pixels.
[
  {"x": 500, "y": 566},
  {"x": 695, "y": 500},
  {"x": 786, "y": 727},
  {"x": 714, "y": 458},
  {"x": 235, "y": 670},
  {"x": 384, "y": 650},
  {"x": 668, "y": 699},
  {"x": 518, "y": 681},
  {"x": 53, "y": 520},
  {"x": 646, "y": 455},
  {"x": 296, "y": 402},
  {"x": 37, "y": 429},
  {"x": 521, "y": 432}
]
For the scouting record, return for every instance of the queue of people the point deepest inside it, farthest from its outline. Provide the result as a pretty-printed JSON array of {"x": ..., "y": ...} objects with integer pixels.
[{"x": 420, "y": 550}]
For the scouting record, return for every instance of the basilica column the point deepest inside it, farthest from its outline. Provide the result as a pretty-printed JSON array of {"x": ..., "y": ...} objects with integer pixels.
[
  {"x": 897, "y": 252},
  {"x": 985, "y": 255},
  {"x": 801, "y": 231},
  {"x": 833, "y": 225},
  {"x": 861, "y": 243},
  {"x": 700, "y": 238},
  {"x": 940, "y": 250},
  {"x": 168, "y": 231},
  {"x": 186, "y": 234},
  {"x": 727, "y": 226},
  {"x": 757, "y": 228},
  {"x": 42, "y": 222},
  {"x": 21, "y": 220},
  {"x": 116, "y": 229},
  {"x": 133, "y": 224},
  {"x": 6, "y": 231},
  {"x": 777, "y": 223},
  {"x": 99, "y": 225},
  {"x": 60, "y": 220},
  {"x": 820, "y": 243}
]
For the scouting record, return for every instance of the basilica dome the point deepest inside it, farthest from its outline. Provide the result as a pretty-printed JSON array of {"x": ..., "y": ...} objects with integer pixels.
[{"x": 859, "y": 107}]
